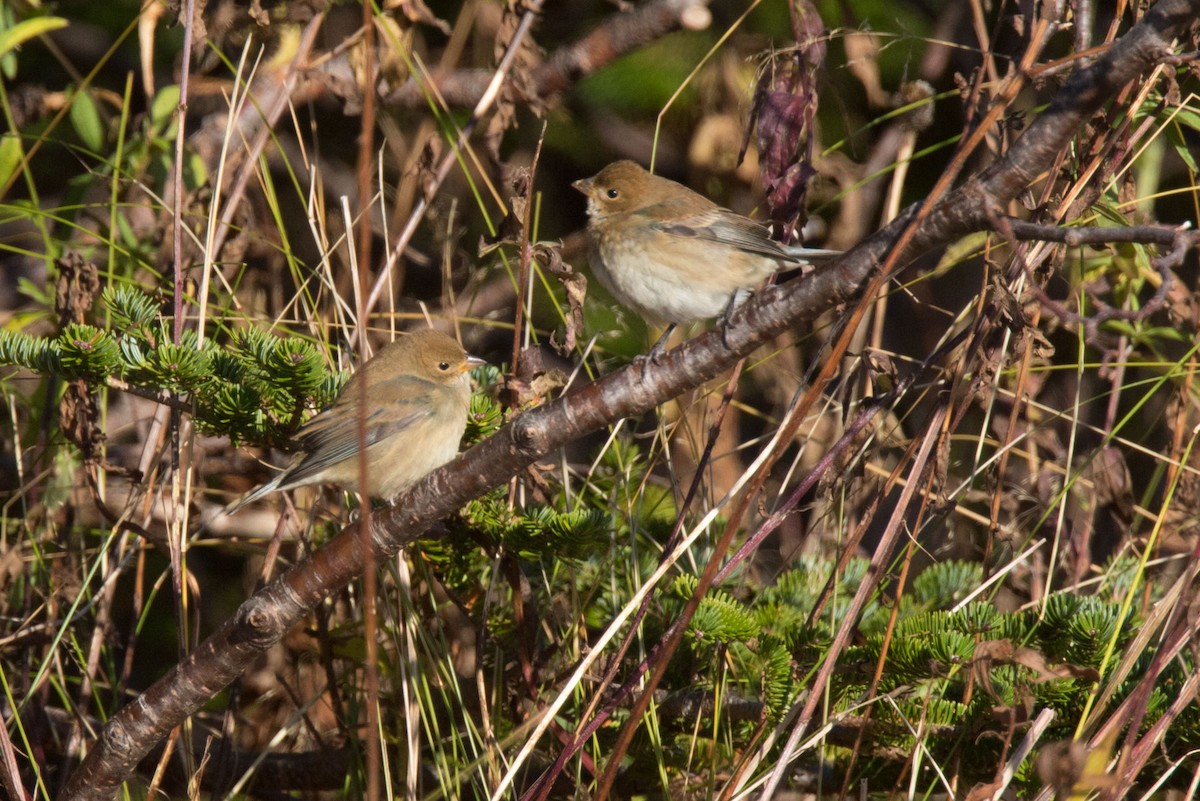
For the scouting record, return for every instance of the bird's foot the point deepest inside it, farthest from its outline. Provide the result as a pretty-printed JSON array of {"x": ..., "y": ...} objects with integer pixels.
[
  {"x": 735, "y": 300},
  {"x": 657, "y": 351},
  {"x": 653, "y": 358}
]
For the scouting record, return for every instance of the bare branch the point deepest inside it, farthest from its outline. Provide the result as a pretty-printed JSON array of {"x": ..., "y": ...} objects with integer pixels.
[
  {"x": 1167, "y": 236},
  {"x": 620, "y": 34}
]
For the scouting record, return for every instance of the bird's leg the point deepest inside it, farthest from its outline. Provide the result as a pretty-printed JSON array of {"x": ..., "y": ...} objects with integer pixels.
[
  {"x": 735, "y": 300},
  {"x": 655, "y": 353},
  {"x": 660, "y": 347}
]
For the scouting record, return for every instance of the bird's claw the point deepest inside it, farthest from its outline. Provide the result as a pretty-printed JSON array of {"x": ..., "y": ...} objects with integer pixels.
[{"x": 654, "y": 357}]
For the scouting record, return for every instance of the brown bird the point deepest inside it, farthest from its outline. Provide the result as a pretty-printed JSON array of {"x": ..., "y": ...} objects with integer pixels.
[
  {"x": 672, "y": 255},
  {"x": 417, "y": 396}
]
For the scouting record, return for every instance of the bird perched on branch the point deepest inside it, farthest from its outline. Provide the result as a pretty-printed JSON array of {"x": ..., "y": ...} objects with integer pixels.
[
  {"x": 672, "y": 255},
  {"x": 415, "y": 413}
]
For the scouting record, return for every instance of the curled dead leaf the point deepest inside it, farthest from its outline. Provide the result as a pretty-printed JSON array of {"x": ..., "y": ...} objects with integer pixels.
[
  {"x": 862, "y": 57},
  {"x": 549, "y": 256},
  {"x": 918, "y": 94},
  {"x": 417, "y": 12},
  {"x": 1037, "y": 662},
  {"x": 785, "y": 105},
  {"x": 1074, "y": 769},
  {"x": 76, "y": 289},
  {"x": 533, "y": 383}
]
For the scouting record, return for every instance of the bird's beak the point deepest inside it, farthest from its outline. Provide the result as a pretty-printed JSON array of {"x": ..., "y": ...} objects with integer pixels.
[
  {"x": 472, "y": 362},
  {"x": 584, "y": 185}
]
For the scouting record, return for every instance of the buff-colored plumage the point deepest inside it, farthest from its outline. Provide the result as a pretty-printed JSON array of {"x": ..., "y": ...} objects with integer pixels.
[
  {"x": 417, "y": 396},
  {"x": 672, "y": 255}
]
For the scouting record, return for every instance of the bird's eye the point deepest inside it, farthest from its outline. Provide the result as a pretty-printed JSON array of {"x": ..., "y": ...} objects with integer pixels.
[
  {"x": 613, "y": 194},
  {"x": 443, "y": 366}
]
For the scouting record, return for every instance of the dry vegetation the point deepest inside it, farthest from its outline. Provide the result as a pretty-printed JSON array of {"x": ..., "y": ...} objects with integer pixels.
[{"x": 922, "y": 522}]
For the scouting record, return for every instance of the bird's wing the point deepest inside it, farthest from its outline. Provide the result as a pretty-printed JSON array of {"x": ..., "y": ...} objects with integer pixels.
[
  {"x": 330, "y": 438},
  {"x": 715, "y": 224}
]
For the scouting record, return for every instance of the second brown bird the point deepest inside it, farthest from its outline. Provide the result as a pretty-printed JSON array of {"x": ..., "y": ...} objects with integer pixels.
[{"x": 672, "y": 255}]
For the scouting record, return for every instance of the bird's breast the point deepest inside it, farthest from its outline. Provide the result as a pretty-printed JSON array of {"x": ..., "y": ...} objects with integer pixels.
[{"x": 669, "y": 278}]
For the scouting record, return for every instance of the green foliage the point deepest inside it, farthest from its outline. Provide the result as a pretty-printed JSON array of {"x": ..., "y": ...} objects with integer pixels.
[
  {"x": 130, "y": 309},
  {"x": 646, "y": 79},
  {"x": 940, "y": 713},
  {"x": 483, "y": 418},
  {"x": 1085, "y": 625},
  {"x": 13, "y": 34},
  {"x": 34, "y": 353},
  {"x": 254, "y": 390},
  {"x": 85, "y": 351},
  {"x": 538, "y": 531},
  {"x": 85, "y": 119},
  {"x": 977, "y": 619},
  {"x": 296, "y": 366},
  {"x": 1120, "y": 574},
  {"x": 239, "y": 410},
  {"x": 933, "y": 672},
  {"x": 762, "y": 664},
  {"x": 946, "y": 583},
  {"x": 719, "y": 619},
  {"x": 179, "y": 368},
  {"x": 485, "y": 415},
  {"x": 776, "y": 678}
]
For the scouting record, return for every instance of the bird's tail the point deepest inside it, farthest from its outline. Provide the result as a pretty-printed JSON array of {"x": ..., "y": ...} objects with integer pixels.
[
  {"x": 254, "y": 495},
  {"x": 811, "y": 255}
]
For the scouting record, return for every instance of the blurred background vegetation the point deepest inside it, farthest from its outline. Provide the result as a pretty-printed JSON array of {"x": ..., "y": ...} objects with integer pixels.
[{"x": 137, "y": 405}]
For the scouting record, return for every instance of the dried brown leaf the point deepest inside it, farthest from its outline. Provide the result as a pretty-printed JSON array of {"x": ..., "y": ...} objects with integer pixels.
[
  {"x": 862, "y": 57},
  {"x": 1113, "y": 485},
  {"x": 76, "y": 289},
  {"x": 427, "y": 162},
  {"x": 984, "y": 792},
  {"x": 1036, "y": 661},
  {"x": 533, "y": 383},
  {"x": 416, "y": 11},
  {"x": 520, "y": 85},
  {"x": 785, "y": 104},
  {"x": 259, "y": 14},
  {"x": 549, "y": 256},
  {"x": 1071, "y": 767},
  {"x": 79, "y": 418}
]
